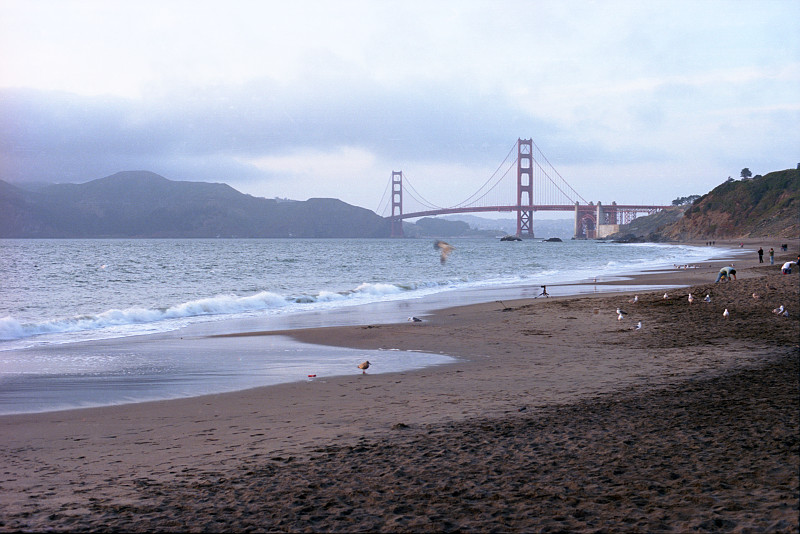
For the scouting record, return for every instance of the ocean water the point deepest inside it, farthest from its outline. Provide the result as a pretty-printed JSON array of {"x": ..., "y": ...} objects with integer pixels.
[{"x": 94, "y": 322}]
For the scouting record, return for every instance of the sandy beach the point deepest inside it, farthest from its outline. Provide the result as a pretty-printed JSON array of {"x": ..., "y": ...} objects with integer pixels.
[{"x": 556, "y": 417}]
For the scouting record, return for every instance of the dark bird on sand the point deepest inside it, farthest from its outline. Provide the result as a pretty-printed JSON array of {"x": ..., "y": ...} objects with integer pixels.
[
  {"x": 364, "y": 366},
  {"x": 444, "y": 248}
]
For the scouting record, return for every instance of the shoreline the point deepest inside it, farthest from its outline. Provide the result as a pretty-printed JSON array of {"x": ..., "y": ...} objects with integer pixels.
[
  {"x": 168, "y": 465},
  {"x": 192, "y": 340}
]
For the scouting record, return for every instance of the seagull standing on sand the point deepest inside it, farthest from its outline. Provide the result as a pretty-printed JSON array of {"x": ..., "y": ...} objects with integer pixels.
[
  {"x": 755, "y": 296},
  {"x": 726, "y": 314},
  {"x": 778, "y": 311},
  {"x": 707, "y": 299},
  {"x": 691, "y": 298},
  {"x": 621, "y": 314},
  {"x": 634, "y": 300},
  {"x": 638, "y": 326},
  {"x": 666, "y": 296},
  {"x": 364, "y": 366},
  {"x": 415, "y": 319},
  {"x": 444, "y": 248}
]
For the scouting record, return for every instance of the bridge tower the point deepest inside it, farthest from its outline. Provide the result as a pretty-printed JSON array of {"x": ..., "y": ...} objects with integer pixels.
[
  {"x": 397, "y": 204},
  {"x": 525, "y": 187}
]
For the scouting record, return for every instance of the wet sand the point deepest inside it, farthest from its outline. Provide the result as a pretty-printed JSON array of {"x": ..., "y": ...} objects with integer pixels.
[{"x": 557, "y": 417}]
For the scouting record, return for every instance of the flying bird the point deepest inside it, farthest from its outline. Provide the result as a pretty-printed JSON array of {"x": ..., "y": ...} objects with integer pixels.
[
  {"x": 444, "y": 248},
  {"x": 364, "y": 366},
  {"x": 726, "y": 314}
]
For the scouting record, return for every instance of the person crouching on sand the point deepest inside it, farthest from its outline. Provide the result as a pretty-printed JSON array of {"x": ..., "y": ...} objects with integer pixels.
[
  {"x": 726, "y": 273},
  {"x": 786, "y": 268}
]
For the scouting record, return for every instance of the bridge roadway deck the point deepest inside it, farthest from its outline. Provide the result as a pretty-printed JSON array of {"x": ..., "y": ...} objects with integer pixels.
[{"x": 545, "y": 207}]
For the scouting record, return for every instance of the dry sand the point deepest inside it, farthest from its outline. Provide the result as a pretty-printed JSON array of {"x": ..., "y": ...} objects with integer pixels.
[{"x": 557, "y": 417}]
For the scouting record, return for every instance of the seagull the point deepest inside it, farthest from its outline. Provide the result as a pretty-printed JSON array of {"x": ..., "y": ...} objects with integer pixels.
[
  {"x": 666, "y": 296},
  {"x": 638, "y": 326},
  {"x": 778, "y": 311},
  {"x": 707, "y": 299},
  {"x": 364, "y": 366},
  {"x": 691, "y": 298},
  {"x": 415, "y": 319},
  {"x": 444, "y": 248},
  {"x": 755, "y": 296},
  {"x": 634, "y": 300},
  {"x": 621, "y": 312},
  {"x": 620, "y": 317},
  {"x": 726, "y": 314},
  {"x": 785, "y": 313}
]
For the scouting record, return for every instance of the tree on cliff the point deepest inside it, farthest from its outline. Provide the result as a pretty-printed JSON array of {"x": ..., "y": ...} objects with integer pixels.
[
  {"x": 682, "y": 201},
  {"x": 746, "y": 173}
]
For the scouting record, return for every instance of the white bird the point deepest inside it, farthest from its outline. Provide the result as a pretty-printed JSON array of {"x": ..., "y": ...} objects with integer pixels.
[
  {"x": 755, "y": 296},
  {"x": 415, "y": 319},
  {"x": 707, "y": 299},
  {"x": 778, "y": 311},
  {"x": 634, "y": 300},
  {"x": 364, "y": 366},
  {"x": 666, "y": 296},
  {"x": 620, "y": 311},
  {"x": 620, "y": 317},
  {"x": 785, "y": 313},
  {"x": 726, "y": 314},
  {"x": 691, "y": 298},
  {"x": 638, "y": 326}
]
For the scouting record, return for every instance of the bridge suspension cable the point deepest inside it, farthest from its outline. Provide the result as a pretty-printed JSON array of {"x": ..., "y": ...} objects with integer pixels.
[
  {"x": 474, "y": 197},
  {"x": 413, "y": 193},
  {"x": 557, "y": 173},
  {"x": 546, "y": 188},
  {"x": 383, "y": 205}
]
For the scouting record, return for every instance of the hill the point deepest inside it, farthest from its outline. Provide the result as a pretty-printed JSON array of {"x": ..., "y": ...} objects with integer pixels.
[
  {"x": 542, "y": 228},
  {"x": 649, "y": 228},
  {"x": 144, "y": 204},
  {"x": 765, "y": 206}
]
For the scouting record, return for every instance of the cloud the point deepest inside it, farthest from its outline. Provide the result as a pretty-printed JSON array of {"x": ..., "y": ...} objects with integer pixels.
[{"x": 641, "y": 98}]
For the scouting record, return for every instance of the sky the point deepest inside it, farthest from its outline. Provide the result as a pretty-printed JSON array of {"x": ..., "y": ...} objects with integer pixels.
[{"x": 634, "y": 102}]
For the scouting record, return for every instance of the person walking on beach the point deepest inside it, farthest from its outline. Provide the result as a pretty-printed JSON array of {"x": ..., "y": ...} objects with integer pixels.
[
  {"x": 726, "y": 273},
  {"x": 771, "y": 256},
  {"x": 544, "y": 292},
  {"x": 760, "y": 255}
]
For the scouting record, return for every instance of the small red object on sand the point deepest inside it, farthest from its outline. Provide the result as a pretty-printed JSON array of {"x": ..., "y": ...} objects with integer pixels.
[{"x": 312, "y": 376}]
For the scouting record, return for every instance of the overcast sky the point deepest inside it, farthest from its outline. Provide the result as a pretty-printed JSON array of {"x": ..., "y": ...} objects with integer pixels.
[{"x": 638, "y": 102}]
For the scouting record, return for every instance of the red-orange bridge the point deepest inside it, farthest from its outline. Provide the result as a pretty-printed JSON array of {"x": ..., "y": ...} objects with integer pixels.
[{"x": 539, "y": 187}]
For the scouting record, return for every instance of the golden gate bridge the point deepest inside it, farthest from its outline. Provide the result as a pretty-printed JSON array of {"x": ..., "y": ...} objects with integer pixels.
[{"x": 534, "y": 186}]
